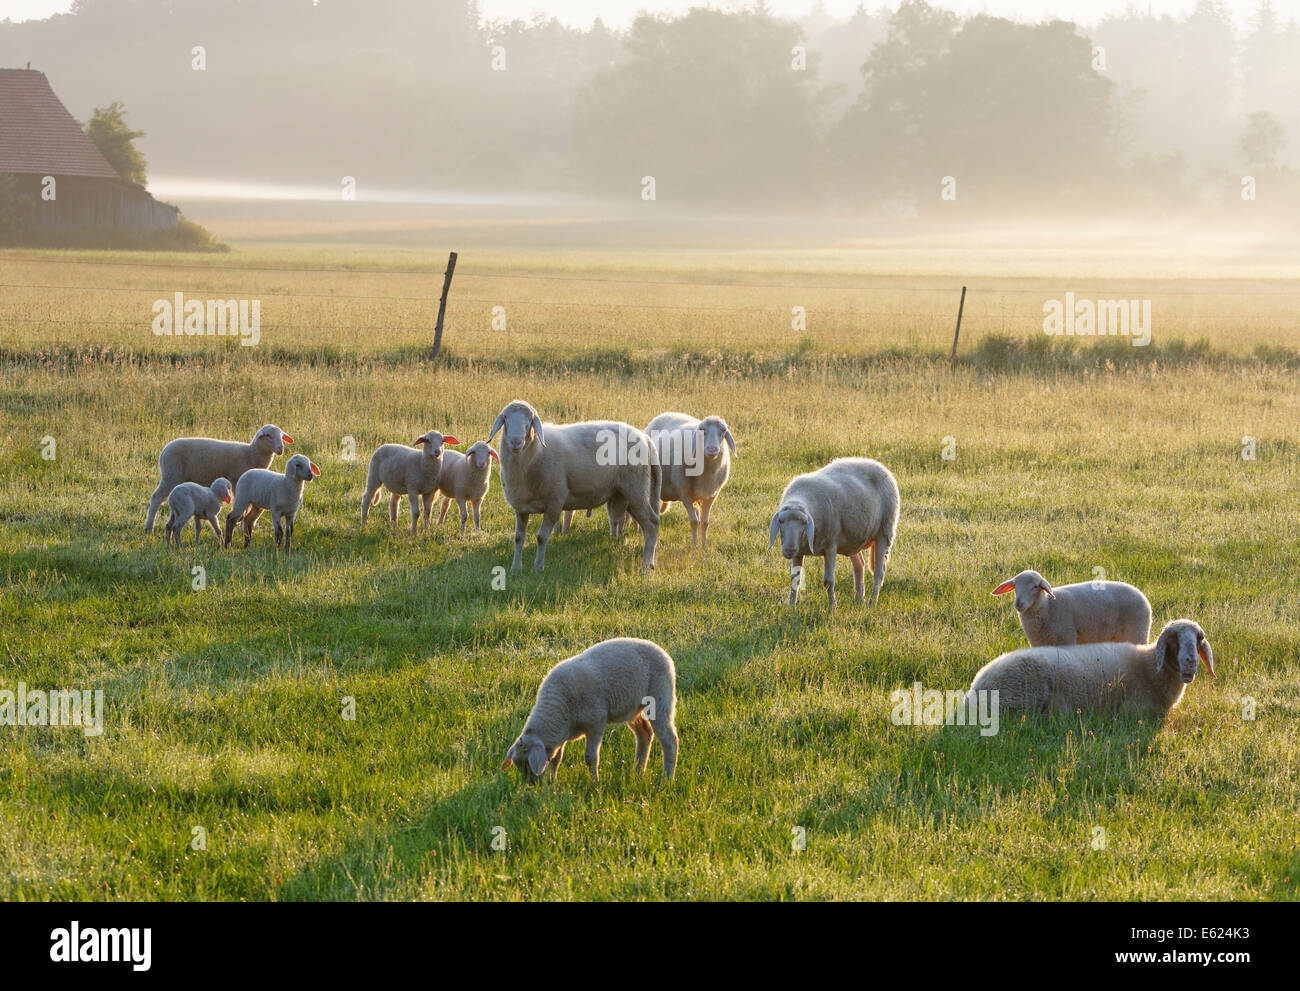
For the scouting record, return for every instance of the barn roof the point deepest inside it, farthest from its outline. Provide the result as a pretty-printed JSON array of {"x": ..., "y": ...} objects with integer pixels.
[{"x": 38, "y": 135}]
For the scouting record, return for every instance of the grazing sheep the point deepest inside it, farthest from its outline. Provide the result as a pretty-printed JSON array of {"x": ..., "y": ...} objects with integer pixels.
[
  {"x": 1115, "y": 676},
  {"x": 616, "y": 681},
  {"x": 466, "y": 478},
  {"x": 406, "y": 471},
  {"x": 204, "y": 460},
  {"x": 845, "y": 508},
  {"x": 694, "y": 463},
  {"x": 192, "y": 501},
  {"x": 259, "y": 490},
  {"x": 548, "y": 468},
  {"x": 1087, "y": 612}
]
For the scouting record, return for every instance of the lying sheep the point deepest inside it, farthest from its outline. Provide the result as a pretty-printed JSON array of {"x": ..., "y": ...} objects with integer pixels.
[
  {"x": 466, "y": 478},
  {"x": 617, "y": 681},
  {"x": 548, "y": 468},
  {"x": 695, "y": 465},
  {"x": 406, "y": 471},
  {"x": 1087, "y": 612},
  {"x": 1114, "y": 676},
  {"x": 847, "y": 507},
  {"x": 192, "y": 501},
  {"x": 204, "y": 460},
  {"x": 259, "y": 491}
]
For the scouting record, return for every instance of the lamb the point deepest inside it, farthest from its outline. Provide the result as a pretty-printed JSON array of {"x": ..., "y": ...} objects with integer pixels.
[
  {"x": 1129, "y": 677},
  {"x": 624, "y": 680},
  {"x": 548, "y": 468},
  {"x": 204, "y": 460},
  {"x": 192, "y": 501},
  {"x": 1087, "y": 612},
  {"x": 259, "y": 490},
  {"x": 466, "y": 478},
  {"x": 695, "y": 465},
  {"x": 410, "y": 471},
  {"x": 847, "y": 507}
]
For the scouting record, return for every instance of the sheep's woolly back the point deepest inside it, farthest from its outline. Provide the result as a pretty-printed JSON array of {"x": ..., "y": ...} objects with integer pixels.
[
  {"x": 1088, "y": 612},
  {"x": 852, "y": 501}
]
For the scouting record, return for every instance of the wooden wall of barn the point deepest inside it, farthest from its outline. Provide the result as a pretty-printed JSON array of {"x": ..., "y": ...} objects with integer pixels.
[{"x": 82, "y": 202}]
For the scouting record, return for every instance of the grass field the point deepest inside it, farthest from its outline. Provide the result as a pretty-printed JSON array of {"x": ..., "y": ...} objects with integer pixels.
[{"x": 223, "y": 707}]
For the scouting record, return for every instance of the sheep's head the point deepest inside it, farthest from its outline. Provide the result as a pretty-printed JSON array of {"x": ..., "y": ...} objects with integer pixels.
[
  {"x": 715, "y": 431},
  {"x": 300, "y": 468},
  {"x": 1030, "y": 587},
  {"x": 221, "y": 489},
  {"x": 794, "y": 524},
  {"x": 433, "y": 443},
  {"x": 528, "y": 753},
  {"x": 519, "y": 424},
  {"x": 1180, "y": 645},
  {"x": 481, "y": 455},
  {"x": 272, "y": 439}
]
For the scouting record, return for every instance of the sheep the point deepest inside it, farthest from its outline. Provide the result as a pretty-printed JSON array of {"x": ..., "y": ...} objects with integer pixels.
[
  {"x": 192, "y": 501},
  {"x": 568, "y": 520},
  {"x": 259, "y": 490},
  {"x": 466, "y": 478},
  {"x": 695, "y": 465},
  {"x": 204, "y": 460},
  {"x": 410, "y": 471},
  {"x": 624, "y": 680},
  {"x": 548, "y": 468},
  {"x": 1087, "y": 612},
  {"x": 846, "y": 507},
  {"x": 1116, "y": 676}
]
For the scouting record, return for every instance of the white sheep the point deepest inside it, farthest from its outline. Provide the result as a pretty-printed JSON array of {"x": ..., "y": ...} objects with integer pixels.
[
  {"x": 1116, "y": 676},
  {"x": 625, "y": 680},
  {"x": 466, "y": 478},
  {"x": 694, "y": 463},
  {"x": 204, "y": 460},
  {"x": 1086, "y": 612},
  {"x": 406, "y": 471},
  {"x": 548, "y": 468},
  {"x": 847, "y": 507},
  {"x": 192, "y": 501},
  {"x": 259, "y": 491}
]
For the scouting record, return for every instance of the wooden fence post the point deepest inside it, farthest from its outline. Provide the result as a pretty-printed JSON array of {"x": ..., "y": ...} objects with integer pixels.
[
  {"x": 442, "y": 305},
  {"x": 955, "y": 334}
]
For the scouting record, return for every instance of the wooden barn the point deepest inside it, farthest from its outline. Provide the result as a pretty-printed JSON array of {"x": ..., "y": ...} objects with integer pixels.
[{"x": 39, "y": 138}]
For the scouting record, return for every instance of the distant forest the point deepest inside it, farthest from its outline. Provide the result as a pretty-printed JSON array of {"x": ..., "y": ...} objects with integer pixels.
[{"x": 726, "y": 110}]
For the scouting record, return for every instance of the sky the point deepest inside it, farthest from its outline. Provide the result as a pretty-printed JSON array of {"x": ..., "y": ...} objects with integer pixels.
[{"x": 618, "y": 13}]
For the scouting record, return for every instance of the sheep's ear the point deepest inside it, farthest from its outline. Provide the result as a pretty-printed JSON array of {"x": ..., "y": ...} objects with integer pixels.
[
  {"x": 450, "y": 441},
  {"x": 1207, "y": 655},
  {"x": 314, "y": 469},
  {"x": 510, "y": 762},
  {"x": 419, "y": 440},
  {"x": 537, "y": 426},
  {"x": 775, "y": 517},
  {"x": 1004, "y": 588},
  {"x": 286, "y": 438},
  {"x": 501, "y": 418},
  {"x": 809, "y": 520},
  {"x": 493, "y": 454},
  {"x": 1161, "y": 644},
  {"x": 537, "y": 758},
  {"x": 1047, "y": 588},
  {"x": 731, "y": 441}
]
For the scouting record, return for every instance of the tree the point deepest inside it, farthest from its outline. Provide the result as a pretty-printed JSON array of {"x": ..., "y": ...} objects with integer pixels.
[
  {"x": 108, "y": 129},
  {"x": 1262, "y": 140}
]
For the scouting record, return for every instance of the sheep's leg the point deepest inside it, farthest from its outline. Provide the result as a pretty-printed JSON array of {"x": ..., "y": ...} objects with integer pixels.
[
  {"x": 159, "y": 496},
  {"x": 644, "y": 733},
  {"x": 413, "y": 497},
  {"x": 393, "y": 500},
  {"x": 663, "y": 506},
  {"x": 706, "y": 507},
  {"x": 616, "y": 510},
  {"x": 550, "y": 520},
  {"x": 828, "y": 577},
  {"x": 476, "y": 503},
  {"x": 231, "y": 520},
  {"x": 428, "y": 510},
  {"x": 368, "y": 500},
  {"x": 250, "y": 517},
  {"x": 568, "y": 521},
  {"x": 198, "y": 525},
  {"x": 464, "y": 513},
  {"x": 554, "y": 765},
  {"x": 278, "y": 526},
  {"x": 859, "y": 570},
  {"x": 666, "y": 733},
  {"x": 796, "y": 576},
  {"x": 594, "y": 735},
  {"x": 446, "y": 501},
  {"x": 521, "y": 533},
  {"x": 693, "y": 514},
  {"x": 879, "y": 558},
  {"x": 215, "y": 527},
  {"x": 647, "y": 519},
  {"x": 288, "y": 534}
]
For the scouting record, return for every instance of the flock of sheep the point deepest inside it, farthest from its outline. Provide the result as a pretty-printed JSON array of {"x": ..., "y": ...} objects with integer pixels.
[{"x": 1088, "y": 642}]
